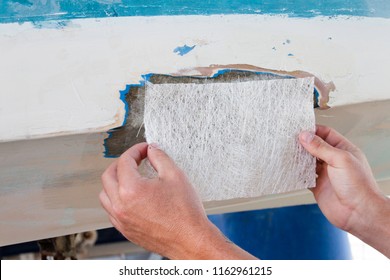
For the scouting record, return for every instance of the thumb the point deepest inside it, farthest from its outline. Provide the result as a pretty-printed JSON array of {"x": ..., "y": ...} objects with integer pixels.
[
  {"x": 317, "y": 147},
  {"x": 160, "y": 161}
]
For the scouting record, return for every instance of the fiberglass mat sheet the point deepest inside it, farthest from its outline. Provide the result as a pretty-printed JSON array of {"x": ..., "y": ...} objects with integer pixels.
[{"x": 235, "y": 140}]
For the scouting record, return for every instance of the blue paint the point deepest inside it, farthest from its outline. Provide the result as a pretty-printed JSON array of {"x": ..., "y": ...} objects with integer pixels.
[
  {"x": 316, "y": 98},
  {"x": 122, "y": 96},
  {"x": 183, "y": 50},
  {"x": 38, "y": 10},
  {"x": 51, "y": 24},
  {"x": 227, "y": 70},
  {"x": 290, "y": 54},
  {"x": 24, "y": 2}
]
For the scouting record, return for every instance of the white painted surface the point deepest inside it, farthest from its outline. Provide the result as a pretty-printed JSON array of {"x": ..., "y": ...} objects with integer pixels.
[{"x": 65, "y": 81}]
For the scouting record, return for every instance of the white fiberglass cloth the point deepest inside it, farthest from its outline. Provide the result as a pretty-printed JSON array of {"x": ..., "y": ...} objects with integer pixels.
[{"x": 235, "y": 140}]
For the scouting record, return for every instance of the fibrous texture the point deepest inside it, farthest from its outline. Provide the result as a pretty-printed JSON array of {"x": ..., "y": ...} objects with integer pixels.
[{"x": 235, "y": 140}]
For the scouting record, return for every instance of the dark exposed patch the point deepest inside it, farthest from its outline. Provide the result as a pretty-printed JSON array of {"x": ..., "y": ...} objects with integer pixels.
[{"x": 132, "y": 132}]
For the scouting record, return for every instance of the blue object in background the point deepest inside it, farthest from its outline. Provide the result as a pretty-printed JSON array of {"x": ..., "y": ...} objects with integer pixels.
[{"x": 295, "y": 232}]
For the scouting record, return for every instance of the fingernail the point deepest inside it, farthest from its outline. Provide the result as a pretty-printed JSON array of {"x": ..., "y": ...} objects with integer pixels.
[
  {"x": 307, "y": 136},
  {"x": 154, "y": 145}
]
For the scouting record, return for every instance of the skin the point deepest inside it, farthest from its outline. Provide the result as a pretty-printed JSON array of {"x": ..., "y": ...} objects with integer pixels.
[
  {"x": 166, "y": 216},
  {"x": 346, "y": 190}
]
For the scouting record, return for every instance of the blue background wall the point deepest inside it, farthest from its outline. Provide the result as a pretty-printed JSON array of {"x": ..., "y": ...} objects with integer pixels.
[{"x": 287, "y": 233}]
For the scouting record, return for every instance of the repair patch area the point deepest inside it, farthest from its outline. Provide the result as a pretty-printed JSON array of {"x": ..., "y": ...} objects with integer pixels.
[
  {"x": 235, "y": 140},
  {"x": 132, "y": 131}
]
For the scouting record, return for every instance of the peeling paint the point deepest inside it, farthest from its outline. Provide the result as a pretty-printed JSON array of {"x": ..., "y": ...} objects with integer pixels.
[
  {"x": 183, "y": 50},
  {"x": 72, "y": 76},
  {"x": 322, "y": 88},
  {"x": 131, "y": 132}
]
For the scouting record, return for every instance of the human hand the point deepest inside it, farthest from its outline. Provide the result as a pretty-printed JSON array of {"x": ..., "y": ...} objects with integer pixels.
[
  {"x": 163, "y": 214},
  {"x": 346, "y": 190}
]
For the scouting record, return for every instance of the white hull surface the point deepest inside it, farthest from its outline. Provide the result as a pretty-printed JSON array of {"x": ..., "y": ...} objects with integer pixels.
[{"x": 60, "y": 93}]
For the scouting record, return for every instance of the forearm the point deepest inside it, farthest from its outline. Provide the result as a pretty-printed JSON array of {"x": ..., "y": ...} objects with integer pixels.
[
  {"x": 373, "y": 223},
  {"x": 211, "y": 244}
]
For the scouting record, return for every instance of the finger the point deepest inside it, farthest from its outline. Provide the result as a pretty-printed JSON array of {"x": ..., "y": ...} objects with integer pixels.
[
  {"x": 127, "y": 169},
  {"x": 114, "y": 222},
  {"x": 332, "y": 137},
  {"x": 105, "y": 201},
  {"x": 110, "y": 180},
  {"x": 107, "y": 205},
  {"x": 160, "y": 161},
  {"x": 317, "y": 147},
  {"x": 319, "y": 167},
  {"x": 319, "y": 161},
  {"x": 321, "y": 182}
]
